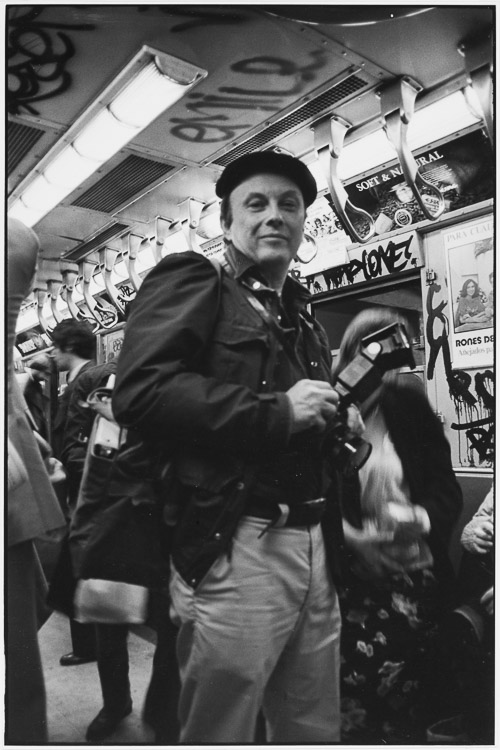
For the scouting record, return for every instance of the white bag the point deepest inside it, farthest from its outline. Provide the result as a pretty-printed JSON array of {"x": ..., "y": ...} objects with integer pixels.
[{"x": 110, "y": 602}]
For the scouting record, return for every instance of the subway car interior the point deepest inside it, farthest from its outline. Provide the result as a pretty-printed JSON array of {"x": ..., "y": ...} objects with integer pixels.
[{"x": 121, "y": 119}]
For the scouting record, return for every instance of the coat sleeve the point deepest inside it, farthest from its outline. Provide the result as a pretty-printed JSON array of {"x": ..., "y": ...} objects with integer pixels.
[
  {"x": 159, "y": 389},
  {"x": 79, "y": 421},
  {"x": 80, "y": 418}
]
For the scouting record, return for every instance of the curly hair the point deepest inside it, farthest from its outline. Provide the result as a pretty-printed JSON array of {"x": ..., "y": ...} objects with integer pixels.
[{"x": 75, "y": 336}]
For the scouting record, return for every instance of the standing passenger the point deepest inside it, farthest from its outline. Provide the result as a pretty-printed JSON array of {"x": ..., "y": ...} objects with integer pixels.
[
  {"x": 32, "y": 512},
  {"x": 74, "y": 348},
  {"x": 238, "y": 386},
  {"x": 399, "y": 512}
]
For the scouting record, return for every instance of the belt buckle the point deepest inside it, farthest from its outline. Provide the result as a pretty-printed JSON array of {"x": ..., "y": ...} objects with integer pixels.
[
  {"x": 315, "y": 503},
  {"x": 283, "y": 516},
  {"x": 277, "y": 522}
]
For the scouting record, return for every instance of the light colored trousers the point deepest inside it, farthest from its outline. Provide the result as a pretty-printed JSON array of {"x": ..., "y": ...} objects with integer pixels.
[{"x": 262, "y": 630}]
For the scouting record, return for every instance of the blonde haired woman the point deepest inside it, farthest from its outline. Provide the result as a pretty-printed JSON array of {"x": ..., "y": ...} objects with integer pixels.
[{"x": 398, "y": 514}]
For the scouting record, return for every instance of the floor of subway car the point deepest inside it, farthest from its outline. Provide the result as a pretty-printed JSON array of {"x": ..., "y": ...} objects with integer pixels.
[{"x": 74, "y": 693}]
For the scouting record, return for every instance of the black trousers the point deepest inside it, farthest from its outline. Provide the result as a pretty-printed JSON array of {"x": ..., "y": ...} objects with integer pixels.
[
  {"x": 162, "y": 698},
  {"x": 83, "y": 639},
  {"x": 160, "y": 707},
  {"x": 112, "y": 665}
]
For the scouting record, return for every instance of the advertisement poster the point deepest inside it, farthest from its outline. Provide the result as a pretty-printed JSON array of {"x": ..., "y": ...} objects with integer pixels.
[
  {"x": 214, "y": 248},
  {"x": 110, "y": 345},
  {"x": 325, "y": 241},
  {"x": 469, "y": 257},
  {"x": 463, "y": 169},
  {"x": 32, "y": 341}
]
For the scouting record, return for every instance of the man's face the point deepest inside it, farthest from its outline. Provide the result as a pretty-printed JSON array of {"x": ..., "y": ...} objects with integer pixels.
[
  {"x": 61, "y": 358},
  {"x": 268, "y": 215}
]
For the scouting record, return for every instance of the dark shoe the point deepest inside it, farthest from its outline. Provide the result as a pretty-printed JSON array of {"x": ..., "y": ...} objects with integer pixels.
[
  {"x": 105, "y": 723},
  {"x": 73, "y": 660}
]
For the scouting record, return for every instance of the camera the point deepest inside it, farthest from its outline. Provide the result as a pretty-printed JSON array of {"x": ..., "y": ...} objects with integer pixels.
[
  {"x": 386, "y": 349},
  {"x": 106, "y": 438}
]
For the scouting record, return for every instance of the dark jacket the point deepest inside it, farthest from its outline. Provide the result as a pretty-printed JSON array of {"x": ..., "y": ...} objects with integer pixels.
[
  {"x": 196, "y": 374},
  {"x": 38, "y": 405},
  {"x": 92, "y": 489},
  {"x": 74, "y": 422},
  {"x": 79, "y": 418},
  {"x": 425, "y": 455},
  {"x": 65, "y": 428}
]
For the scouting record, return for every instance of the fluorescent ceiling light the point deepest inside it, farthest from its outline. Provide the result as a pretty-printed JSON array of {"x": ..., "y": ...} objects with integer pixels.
[
  {"x": 69, "y": 169},
  {"x": 28, "y": 216},
  {"x": 103, "y": 137},
  {"x": 150, "y": 84},
  {"x": 144, "y": 98},
  {"x": 42, "y": 195},
  {"x": 429, "y": 124}
]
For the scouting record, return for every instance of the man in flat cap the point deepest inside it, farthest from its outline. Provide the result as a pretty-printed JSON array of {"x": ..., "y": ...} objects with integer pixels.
[{"x": 232, "y": 377}]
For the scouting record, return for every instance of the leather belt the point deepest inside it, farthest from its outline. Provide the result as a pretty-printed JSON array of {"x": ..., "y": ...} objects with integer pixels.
[{"x": 308, "y": 513}]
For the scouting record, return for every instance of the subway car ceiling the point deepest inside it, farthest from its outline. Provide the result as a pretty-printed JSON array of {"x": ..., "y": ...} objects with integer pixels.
[{"x": 121, "y": 118}]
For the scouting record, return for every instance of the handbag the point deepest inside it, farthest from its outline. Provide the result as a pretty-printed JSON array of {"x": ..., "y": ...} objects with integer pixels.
[
  {"x": 130, "y": 539},
  {"x": 114, "y": 541},
  {"x": 126, "y": 552},
  {"x": 127, "y": 544},
  {"x": 110, "y": 602}
]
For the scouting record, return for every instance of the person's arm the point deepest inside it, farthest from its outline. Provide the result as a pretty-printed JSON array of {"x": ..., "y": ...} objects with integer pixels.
[
  {"x": 368, "y": 549},
  {"x": 477, "y": 535},
  {"x": 461, "y": 315},
  {"x": 159, "y": 388},
  {"x": 79, "y": 420}
]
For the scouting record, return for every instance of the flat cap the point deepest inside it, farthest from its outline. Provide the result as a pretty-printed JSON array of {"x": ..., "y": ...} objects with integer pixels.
[{"x": 263, "y": 162}]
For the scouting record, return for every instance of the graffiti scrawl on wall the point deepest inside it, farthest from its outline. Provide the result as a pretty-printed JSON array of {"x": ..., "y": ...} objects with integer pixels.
[
  {"x": 472, "y": 395},
  {"x": 370, "y": 262}
]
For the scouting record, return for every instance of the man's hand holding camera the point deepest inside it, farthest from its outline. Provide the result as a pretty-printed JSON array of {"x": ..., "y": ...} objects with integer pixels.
[{"x": 315, "y": 405}]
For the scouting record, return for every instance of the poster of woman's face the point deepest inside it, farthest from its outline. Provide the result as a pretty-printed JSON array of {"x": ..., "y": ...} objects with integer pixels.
[
  {"x": 471, "y": 311},
  {"x": 471, "y": 293}
]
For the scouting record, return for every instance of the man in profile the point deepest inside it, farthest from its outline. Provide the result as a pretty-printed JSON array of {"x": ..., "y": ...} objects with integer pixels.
[{"x": 73, "y": 351}]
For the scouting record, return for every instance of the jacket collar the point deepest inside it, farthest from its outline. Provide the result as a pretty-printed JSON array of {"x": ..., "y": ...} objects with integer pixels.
[{"x": 245, "y": 270}]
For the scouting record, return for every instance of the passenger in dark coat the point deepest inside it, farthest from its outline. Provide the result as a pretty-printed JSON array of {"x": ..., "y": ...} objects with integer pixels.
[{"x": 73, "y": 352}]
